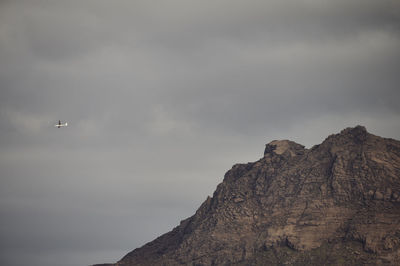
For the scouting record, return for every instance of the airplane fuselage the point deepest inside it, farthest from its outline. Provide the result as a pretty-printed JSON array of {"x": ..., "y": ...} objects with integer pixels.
[{"x": 61, "y": 124}]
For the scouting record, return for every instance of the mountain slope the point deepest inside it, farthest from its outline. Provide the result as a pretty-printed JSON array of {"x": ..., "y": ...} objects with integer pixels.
[{"x": 336, "y": 203}]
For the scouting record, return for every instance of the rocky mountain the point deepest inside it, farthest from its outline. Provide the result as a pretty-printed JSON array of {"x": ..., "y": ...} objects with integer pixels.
[{"x": 337, "y": 203}]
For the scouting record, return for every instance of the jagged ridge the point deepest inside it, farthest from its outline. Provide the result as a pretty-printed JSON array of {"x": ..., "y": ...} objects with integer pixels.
[{"x": 335, "y": 203}]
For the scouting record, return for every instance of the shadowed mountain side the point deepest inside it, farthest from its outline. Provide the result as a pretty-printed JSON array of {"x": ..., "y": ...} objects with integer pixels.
[{"x": 335, "y": 203}]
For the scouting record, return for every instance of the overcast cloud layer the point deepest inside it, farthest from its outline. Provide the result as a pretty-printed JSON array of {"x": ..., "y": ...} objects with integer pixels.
[{"x": 162, "y": 98}]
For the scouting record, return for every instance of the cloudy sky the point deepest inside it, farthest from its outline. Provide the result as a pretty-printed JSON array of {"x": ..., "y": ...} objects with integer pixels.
[{"x": 162, "y": 97}]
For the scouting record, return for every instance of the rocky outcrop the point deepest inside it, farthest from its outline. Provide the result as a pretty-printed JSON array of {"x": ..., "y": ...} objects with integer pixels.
[{"x": 334, "y": 204}]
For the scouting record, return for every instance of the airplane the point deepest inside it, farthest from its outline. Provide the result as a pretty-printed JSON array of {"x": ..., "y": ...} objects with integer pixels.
[{"x": 61, "y": 124}]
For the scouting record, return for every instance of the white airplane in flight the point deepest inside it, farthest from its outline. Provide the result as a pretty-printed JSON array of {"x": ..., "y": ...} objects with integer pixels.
[{"x": 61, "y": 124}]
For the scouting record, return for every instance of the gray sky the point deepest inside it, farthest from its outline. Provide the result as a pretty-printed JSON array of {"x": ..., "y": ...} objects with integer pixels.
[{"x": 162, "y": 98}]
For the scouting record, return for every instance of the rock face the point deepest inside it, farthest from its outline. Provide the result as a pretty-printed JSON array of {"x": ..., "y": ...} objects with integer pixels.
[{"x": 337, "y": 203}]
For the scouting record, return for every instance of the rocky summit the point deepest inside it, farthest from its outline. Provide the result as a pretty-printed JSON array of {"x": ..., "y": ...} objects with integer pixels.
[{"x": 337, "y": 203}]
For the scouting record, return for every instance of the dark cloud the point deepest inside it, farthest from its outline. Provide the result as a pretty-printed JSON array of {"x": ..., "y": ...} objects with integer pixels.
[{"x": 162, "y": 97}]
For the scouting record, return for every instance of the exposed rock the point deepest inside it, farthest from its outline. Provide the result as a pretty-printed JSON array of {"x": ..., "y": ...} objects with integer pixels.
[
  {"x": 334, "y": 204},
  {"x": 378, "y": 195},
  {"x": 284, "y": 147},
  {"x": 388, "y": 194}
]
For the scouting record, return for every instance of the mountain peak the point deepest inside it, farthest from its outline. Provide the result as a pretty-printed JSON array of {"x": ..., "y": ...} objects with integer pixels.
[
  {"x": 357, "y": 130},
  {"x": 357, "y": 135},
  {"x": 336, "y": 203},
  {"x": 284, "y": 147}
]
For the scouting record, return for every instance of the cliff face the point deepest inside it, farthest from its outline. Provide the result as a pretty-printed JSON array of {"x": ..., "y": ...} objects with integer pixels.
[{"x": 336, "y": 203}]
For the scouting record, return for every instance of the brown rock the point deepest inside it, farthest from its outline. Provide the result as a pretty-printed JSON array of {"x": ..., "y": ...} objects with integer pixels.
[
  {"x": 388, "y": 194},
  {"x": 378, "y": 195},
  {"x": 327, "y": 205}
]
